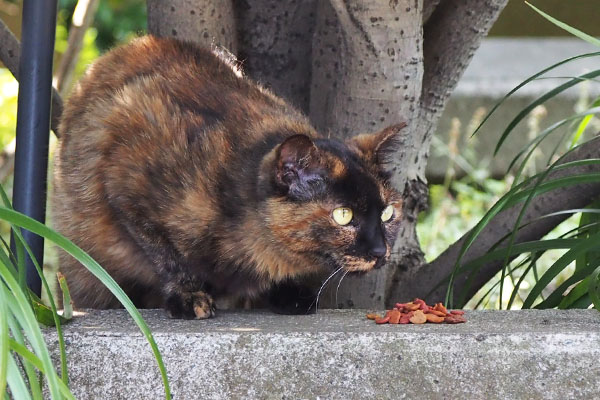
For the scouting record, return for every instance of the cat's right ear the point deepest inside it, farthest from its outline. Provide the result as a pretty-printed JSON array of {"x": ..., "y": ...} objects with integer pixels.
[{"x": 299, "y": 169}]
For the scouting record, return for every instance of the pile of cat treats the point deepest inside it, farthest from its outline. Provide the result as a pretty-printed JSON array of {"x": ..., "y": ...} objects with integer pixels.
[{"x": 418, "y": 312}]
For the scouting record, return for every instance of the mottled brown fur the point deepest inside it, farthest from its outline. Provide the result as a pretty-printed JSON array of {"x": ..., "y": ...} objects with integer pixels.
[{"x": 187, "y": 181}]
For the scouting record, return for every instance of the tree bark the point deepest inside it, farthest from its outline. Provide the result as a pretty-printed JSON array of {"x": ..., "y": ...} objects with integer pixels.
[
  {"x": 428, "y": 8},
  {"x": 209, "y": 22},
  {"x": 366, "y": 75},
  {"x": 452, "y": 34},
  {"x": 421, "y": 282},
  {"x": 274, "y": 44}
]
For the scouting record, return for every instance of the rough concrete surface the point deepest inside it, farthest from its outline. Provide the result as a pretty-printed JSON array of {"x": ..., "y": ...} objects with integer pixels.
[{"x": 337, "y": 354}]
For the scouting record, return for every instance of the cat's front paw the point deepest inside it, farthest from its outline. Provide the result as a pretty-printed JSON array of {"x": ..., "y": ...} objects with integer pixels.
[{"x": 190, "y": 305}]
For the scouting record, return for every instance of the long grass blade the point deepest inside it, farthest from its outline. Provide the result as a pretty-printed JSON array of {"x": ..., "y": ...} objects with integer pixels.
[
  {"x": 43, "y": 314},
  {"x": 559, "y": 265},
  {"x": 34, "y": 226},
  {"x": 532, "y": 78},
  {"x": 16, "y": 331},
  {"x": 542, "y": 99},
  {"x": 4, "y": 348},
  {"x": 594, "y": 288},
  {"x": 16, "y": 382},
  {"x": 19, "y": 304},
  {"x": 554, "y": 299},
  {"x": 584, "y": 124},
  {"x": 535, "y": 142},
  {"x": 580, "y": 290},
  {"x": 570, "y": 29},
  {"x": 36, "y": 362}
]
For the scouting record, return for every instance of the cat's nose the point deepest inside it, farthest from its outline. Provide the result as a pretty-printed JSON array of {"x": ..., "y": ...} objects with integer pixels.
[{"x": 378, "y": 250}]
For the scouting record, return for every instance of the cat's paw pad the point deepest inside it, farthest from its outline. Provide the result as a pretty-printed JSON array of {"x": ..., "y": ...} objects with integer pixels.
[
  {"x": 191, "y": 305},
  {"x": 204, "y": 305}
]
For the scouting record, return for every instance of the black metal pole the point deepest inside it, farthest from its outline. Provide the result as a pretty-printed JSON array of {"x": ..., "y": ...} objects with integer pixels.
[{"x": 33, "y": 122}]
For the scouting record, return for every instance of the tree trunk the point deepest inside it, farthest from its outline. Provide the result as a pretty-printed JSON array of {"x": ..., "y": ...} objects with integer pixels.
[
  {"x": 275, "y": 40},
  {"x": 209, "y": 22},
  {"x": 367, "y": 69},
  {"x": 369, "y": 64}
]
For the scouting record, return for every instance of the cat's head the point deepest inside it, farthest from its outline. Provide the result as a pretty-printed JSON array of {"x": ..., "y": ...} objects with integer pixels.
[{"x": 332, "y": 201}]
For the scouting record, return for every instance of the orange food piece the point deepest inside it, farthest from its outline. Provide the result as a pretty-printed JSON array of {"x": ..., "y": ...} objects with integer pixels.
[
  {"x": 418, "y": 312},
  {"x": 455, "y": 319},
  {"x": 422, "y": 305},
  {"x": 434, "y": 318},
  {"x": 395, "y": 317},
  {"x": 418, "y": 317},
  {"x": 435, "y": 312},
  {"x": 440, "y": 307}
]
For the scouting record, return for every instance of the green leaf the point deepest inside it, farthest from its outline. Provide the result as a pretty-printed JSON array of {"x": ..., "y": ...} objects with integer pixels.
[
  {"x": 67, "y": 303},
  {"x": 584, "y": 124},
  {"x": 19, "y": 304},
  {"x": 17, "y": 330},
  {"x": 554, "y": 299},
  {"x": 571, "y": 30},
  {"x": 95, "y": 268},
  {"x": 560, "y": 264},
  {"x": 44, "y": 314},
  {"x": 532, "y": 78},
  {"x": 21, "y": 245},
  {"x": 540, "y": 100},
  {"x": 594, "y": 288},
  {"x": 36, "y": 362},
  {"x": 3, "y": 337},
  {"x": 16, "y": 382},
  {"x": 580, "y": 290}
]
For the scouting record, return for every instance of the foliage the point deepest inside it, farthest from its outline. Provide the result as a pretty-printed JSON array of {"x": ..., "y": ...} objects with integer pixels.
[
  {"x": 116, "y": 21},
  {"x": 580, "y": 261},
  {"x": 8, "y": 106},
  {"x": 22, "y": 345}
]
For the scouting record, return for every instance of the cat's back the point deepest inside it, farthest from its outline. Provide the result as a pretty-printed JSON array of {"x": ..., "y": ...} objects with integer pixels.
[{"x": 145, "y": 134}]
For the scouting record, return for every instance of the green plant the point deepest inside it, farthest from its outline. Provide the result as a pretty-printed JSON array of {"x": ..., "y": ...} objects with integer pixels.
[
  {"x": 579, "y": 262},
  {"x": 25, "y": 361}
]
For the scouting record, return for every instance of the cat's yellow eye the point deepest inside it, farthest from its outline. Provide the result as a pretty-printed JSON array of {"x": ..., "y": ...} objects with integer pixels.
[
  {"x": 342, "y": 215},
  {"x": 387, "y": 213}
]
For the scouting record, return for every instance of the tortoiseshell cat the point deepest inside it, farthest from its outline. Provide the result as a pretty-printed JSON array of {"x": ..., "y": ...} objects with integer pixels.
[{"x": 188, "y": 182}]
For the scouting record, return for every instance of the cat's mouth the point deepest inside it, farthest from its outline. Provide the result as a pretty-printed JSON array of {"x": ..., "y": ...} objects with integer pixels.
[{"x": 361, "y": 264}]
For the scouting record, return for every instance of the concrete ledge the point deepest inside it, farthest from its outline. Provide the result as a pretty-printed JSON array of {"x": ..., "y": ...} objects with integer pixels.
[{"x": 338, "y": 355}]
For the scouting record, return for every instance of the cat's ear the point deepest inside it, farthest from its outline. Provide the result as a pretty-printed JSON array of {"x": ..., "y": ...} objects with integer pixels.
[
  {"x": 377, "y": 147},
  {"x": 299, "y": 167}
]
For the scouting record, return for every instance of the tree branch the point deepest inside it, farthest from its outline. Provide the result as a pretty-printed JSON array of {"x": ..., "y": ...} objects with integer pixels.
[
  {"x": 10, "y": 55},
  {"x": 82, "y": 19},
  {"x": 429, "y": 7},
  {"x": 420, "y": 282},
  {"x": 451, "y": 36}
]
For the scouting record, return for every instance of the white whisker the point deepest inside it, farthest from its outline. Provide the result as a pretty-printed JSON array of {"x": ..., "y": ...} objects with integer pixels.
[
  {"x": 338, "y": 286},
  {"x": 322, "y": 286}
]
